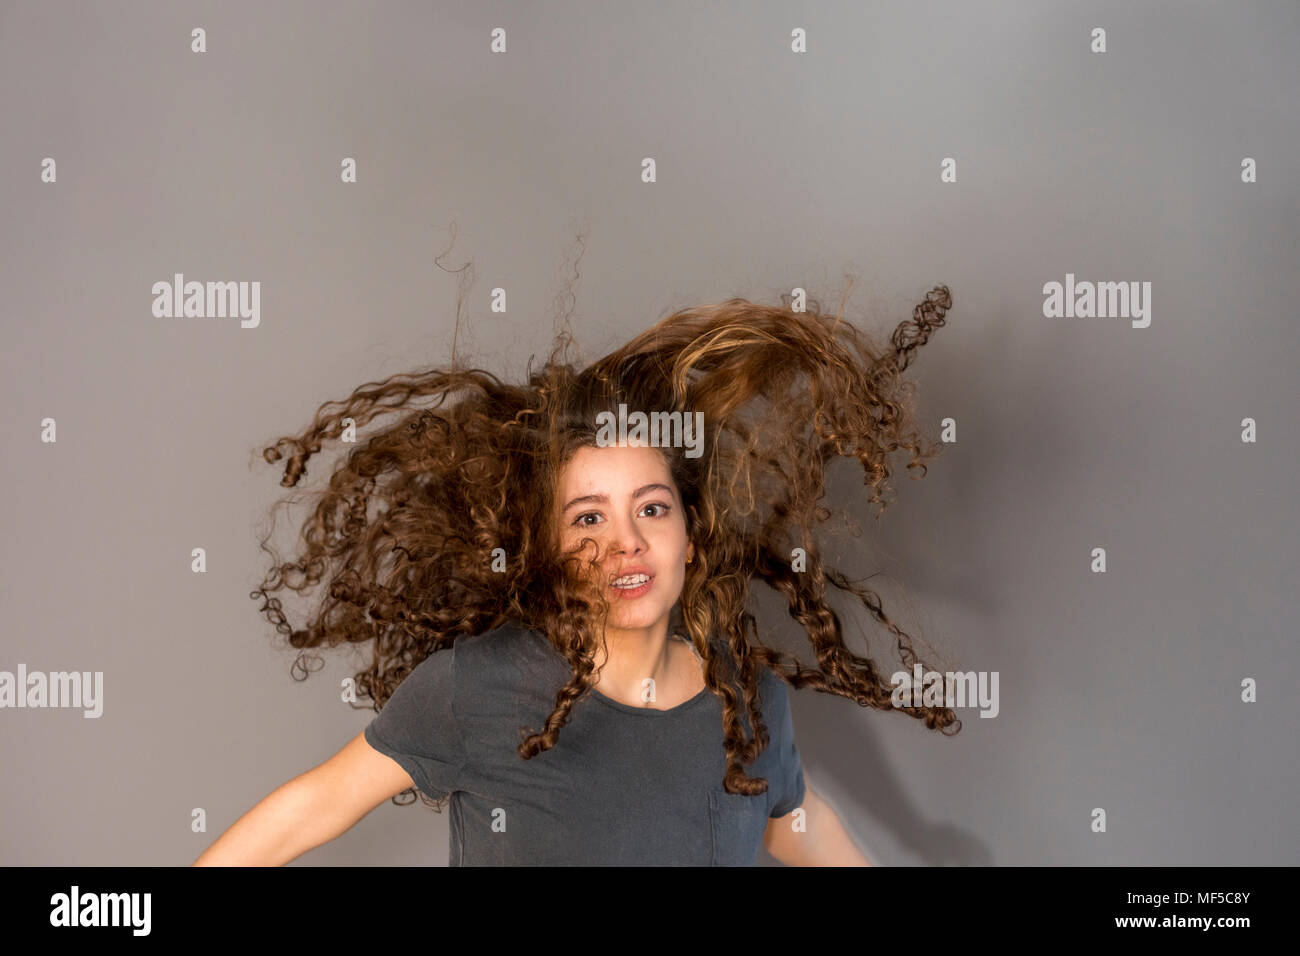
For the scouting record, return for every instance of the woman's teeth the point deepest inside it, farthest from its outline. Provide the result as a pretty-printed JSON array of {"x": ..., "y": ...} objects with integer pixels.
[{"x": 633, "y": 581}]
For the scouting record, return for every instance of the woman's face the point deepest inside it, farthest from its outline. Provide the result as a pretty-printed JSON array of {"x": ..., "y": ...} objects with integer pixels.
[{"x": 624, "y": 499}]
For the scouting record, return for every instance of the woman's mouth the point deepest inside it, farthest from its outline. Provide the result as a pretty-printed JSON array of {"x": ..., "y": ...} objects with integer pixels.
[{"x": 633, "y": 585}]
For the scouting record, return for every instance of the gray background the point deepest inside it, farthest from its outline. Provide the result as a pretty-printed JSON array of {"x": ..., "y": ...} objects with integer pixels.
[{"x": 1118, "y": 690}]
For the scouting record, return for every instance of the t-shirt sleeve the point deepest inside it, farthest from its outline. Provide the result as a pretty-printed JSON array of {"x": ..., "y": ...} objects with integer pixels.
[
  {"x": 787, "y": 784},
  {"x": 417, "y": 727}
]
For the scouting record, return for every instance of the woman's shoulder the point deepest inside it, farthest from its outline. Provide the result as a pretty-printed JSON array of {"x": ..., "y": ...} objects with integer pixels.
[
  {"x": 774, "y": 696},
  {"x": 506, "y": 655},
  {"x": 504, "y": 641}
]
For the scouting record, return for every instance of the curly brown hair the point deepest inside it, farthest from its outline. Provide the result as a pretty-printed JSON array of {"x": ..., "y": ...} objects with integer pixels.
[{"x": 458, "y": 548}]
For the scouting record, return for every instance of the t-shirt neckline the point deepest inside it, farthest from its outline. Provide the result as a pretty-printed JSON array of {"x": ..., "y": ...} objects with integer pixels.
[
  {"x": 619, "y": 705},
  {"x": 649, "y": 711}
]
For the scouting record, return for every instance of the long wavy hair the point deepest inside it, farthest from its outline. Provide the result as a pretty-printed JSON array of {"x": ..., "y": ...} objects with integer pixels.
[{"x": 432, "y": 527}]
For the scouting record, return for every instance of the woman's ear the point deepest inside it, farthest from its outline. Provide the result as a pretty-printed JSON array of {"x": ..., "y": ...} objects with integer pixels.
[{"x": 690, "y": 552}]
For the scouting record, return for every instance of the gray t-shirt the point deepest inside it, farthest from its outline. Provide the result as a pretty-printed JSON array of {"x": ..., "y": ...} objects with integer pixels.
[{"x": 623, "y": 786}]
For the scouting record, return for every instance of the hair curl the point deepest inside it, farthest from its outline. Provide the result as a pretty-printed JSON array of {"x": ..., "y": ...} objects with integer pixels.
[{"x": 783, "y": 392}]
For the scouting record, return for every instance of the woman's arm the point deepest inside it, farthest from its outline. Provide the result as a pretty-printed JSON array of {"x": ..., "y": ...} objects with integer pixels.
[
  {"x": 822, "y": 842},
  {"x": 311, "y": 809}
]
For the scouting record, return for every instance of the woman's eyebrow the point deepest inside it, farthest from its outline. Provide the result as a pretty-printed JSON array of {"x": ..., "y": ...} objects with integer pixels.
[{"x": 604, "y": 498}]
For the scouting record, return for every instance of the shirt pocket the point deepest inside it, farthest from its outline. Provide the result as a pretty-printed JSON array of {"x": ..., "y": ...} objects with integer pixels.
[{"x": 738, "y": 823}]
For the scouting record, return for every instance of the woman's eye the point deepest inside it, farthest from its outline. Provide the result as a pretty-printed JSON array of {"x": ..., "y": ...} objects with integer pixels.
[{"x": 660, "y": 510}]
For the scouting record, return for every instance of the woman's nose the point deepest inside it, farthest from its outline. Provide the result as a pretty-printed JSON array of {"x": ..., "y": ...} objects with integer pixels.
[{"x": 627, "y": 538}]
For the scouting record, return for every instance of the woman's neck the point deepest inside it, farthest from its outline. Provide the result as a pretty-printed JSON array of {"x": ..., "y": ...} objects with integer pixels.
[{"x": 635, "y": 656}]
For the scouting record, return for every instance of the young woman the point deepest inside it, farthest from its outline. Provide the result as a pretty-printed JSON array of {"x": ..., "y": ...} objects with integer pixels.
[{"x": 556, "y": 600}]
